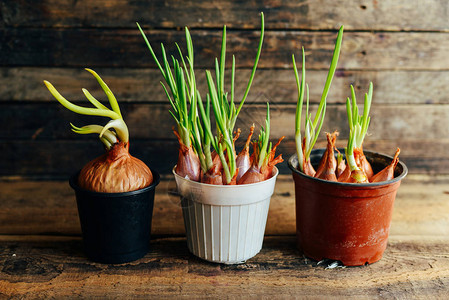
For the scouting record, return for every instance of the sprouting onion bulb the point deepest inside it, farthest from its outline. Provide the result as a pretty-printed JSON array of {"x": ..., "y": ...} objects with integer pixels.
[
  {"x": 388, "y": 172},
  {"x": 243, "y": 161},
  {"x": 312, "y": 129},
  {"x": 357, "y": 175},
  {"x": 357, "y": 168},
  {"x": 115, "y": 171},
  {"x": 263, "y": 158},
  {"x": 358, "y": 126},
  {"x": 184, "y": 96},
  {"x": 225, "y": 110},
  {"x": 327, "y": 168},
  {"x": 196, "y": 161}
]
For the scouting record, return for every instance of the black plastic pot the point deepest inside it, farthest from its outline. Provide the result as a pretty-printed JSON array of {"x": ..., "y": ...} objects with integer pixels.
[{"x": 116, "y": 227}]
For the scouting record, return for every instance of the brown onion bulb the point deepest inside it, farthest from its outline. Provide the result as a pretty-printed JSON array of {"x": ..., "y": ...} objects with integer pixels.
[
  {"x": 212, "y": 178},
  {"x": 243, "y": 161},
  {"x": 329, "y": 162},
  {"x": 363, "y": 163},
  {"x": 341, "y": 167},
  {"x": 344, "y": 176},
  {"x": 116, "y": 171},
  {"x": 307, "y": 165},
  {"x": 253, "y": 175},
  {"x": 358, "y": 176},
  {"x": 388, "y": 172},
  {"x": 213, "y": 175},
  {"x": 188, "y": 165},
  {"x": 324, "y": 166}
]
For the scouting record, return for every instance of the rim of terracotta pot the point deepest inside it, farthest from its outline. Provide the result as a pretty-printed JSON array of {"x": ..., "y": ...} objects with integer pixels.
[
  {"x": 74, "y": 184},
  {"x": 403, "y": 170}
]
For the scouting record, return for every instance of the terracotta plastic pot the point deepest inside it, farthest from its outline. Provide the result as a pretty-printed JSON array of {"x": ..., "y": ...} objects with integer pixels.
[
  {"x": 116, "y": 227},
  {"x": 344, "y": 221},
  {"x": 225, "y": 223}
]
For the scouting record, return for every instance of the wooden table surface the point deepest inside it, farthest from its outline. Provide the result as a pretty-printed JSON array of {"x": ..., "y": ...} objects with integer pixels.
[{"x": 41, "y": 252}]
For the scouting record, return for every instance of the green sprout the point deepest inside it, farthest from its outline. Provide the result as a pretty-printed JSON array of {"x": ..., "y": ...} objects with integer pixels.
[
  {"x": 311, "y": 131},
  {"x": 263, "y": 144},
  {"x": 358, "y": 124},
  {"x": 191, "y": 129},
  {"x": 225, "y": 110},
  {"x": 182, "y": 85},
  {"x": 117, "y": 123}
]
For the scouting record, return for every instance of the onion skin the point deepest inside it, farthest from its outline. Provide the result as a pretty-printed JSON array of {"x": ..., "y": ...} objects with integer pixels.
[
  {"x": 212, "y": 178},
  {"x": 116, "y": 171},
  {"x": 388, "y": 172},
  {"x": 243, "y": 162},
  {"x": 214, "y": 175},
  {"x": 355, "y": 176},
  {"x": 323, "y": 166},
  {"x": 307, "y": 165},
  {"x": 216, "y": 162},
  {"x": 363, "y": 162},
  {"x": 234, "y": 179},
  {"x": 341, "y": 168},
  {"x": 188, "y": 163},
  {"x": 268, "y": 171},
  {"x": 253, "y": 175},
  {"x": 308, "y": 168},
  {"x": 328, "y": 162},
  {"x": 358, "y": 176},
  {"x": 260, "y": 173},
  {"x": 344, "y": 177}
]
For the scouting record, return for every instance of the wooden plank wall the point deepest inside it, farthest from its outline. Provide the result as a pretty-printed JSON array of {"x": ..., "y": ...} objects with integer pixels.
[{"x": 402, "y": 46}]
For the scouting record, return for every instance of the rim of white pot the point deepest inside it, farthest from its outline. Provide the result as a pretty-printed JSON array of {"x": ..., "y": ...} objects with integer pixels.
[{"x": 226, "y": 195}]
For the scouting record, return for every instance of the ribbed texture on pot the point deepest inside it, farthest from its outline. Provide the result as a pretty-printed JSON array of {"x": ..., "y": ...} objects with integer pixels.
[
  {"x": 225, "y": 223},
  {"x": 225, "y": 234}
]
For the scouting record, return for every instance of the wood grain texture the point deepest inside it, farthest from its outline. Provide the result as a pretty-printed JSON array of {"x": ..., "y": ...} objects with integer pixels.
[
  {"x": 49, "y": 207},
  {"x": 285, "y": 14},
  {"x": 400, "y": 45},
  {"x": 55, "y": 267},
  {"x": 274, "y": 85},
  {"x": 38, "y": 138},
  {"x": 53, "y": 159},
  {"x": 387, "y": 121},
  {"x": 43, "y": 159},
  {"x": 125, "y": 48}
]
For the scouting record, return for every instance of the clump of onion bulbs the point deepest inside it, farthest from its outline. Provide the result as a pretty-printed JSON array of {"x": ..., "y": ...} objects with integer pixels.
[
  {"x": 312, "y": 127},
  {"x": 204, "y": 156},
  {"x": 115, "y": 171},
  {"x": 358, "y": 169},
  {"x": 332, "y": 166}
]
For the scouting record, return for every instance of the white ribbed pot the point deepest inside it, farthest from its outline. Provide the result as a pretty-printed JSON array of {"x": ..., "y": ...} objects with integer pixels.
[{"x": 225, "y": 223}]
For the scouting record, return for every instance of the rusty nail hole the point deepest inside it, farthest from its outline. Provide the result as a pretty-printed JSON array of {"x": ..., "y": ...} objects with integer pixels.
[
  {"x": 363, "y": 7},
  {"x": 363, "y": 52}
]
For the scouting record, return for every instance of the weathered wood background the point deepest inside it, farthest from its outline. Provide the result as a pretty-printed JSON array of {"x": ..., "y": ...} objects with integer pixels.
[
  {"x": 402, "y": 46},
  {"x": 392, "y": 43}
]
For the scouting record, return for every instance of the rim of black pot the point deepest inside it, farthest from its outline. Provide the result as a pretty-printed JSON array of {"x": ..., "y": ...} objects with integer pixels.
[
  {"x": 371, "y": 184},
  {"x": 74, "y": 184}
]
